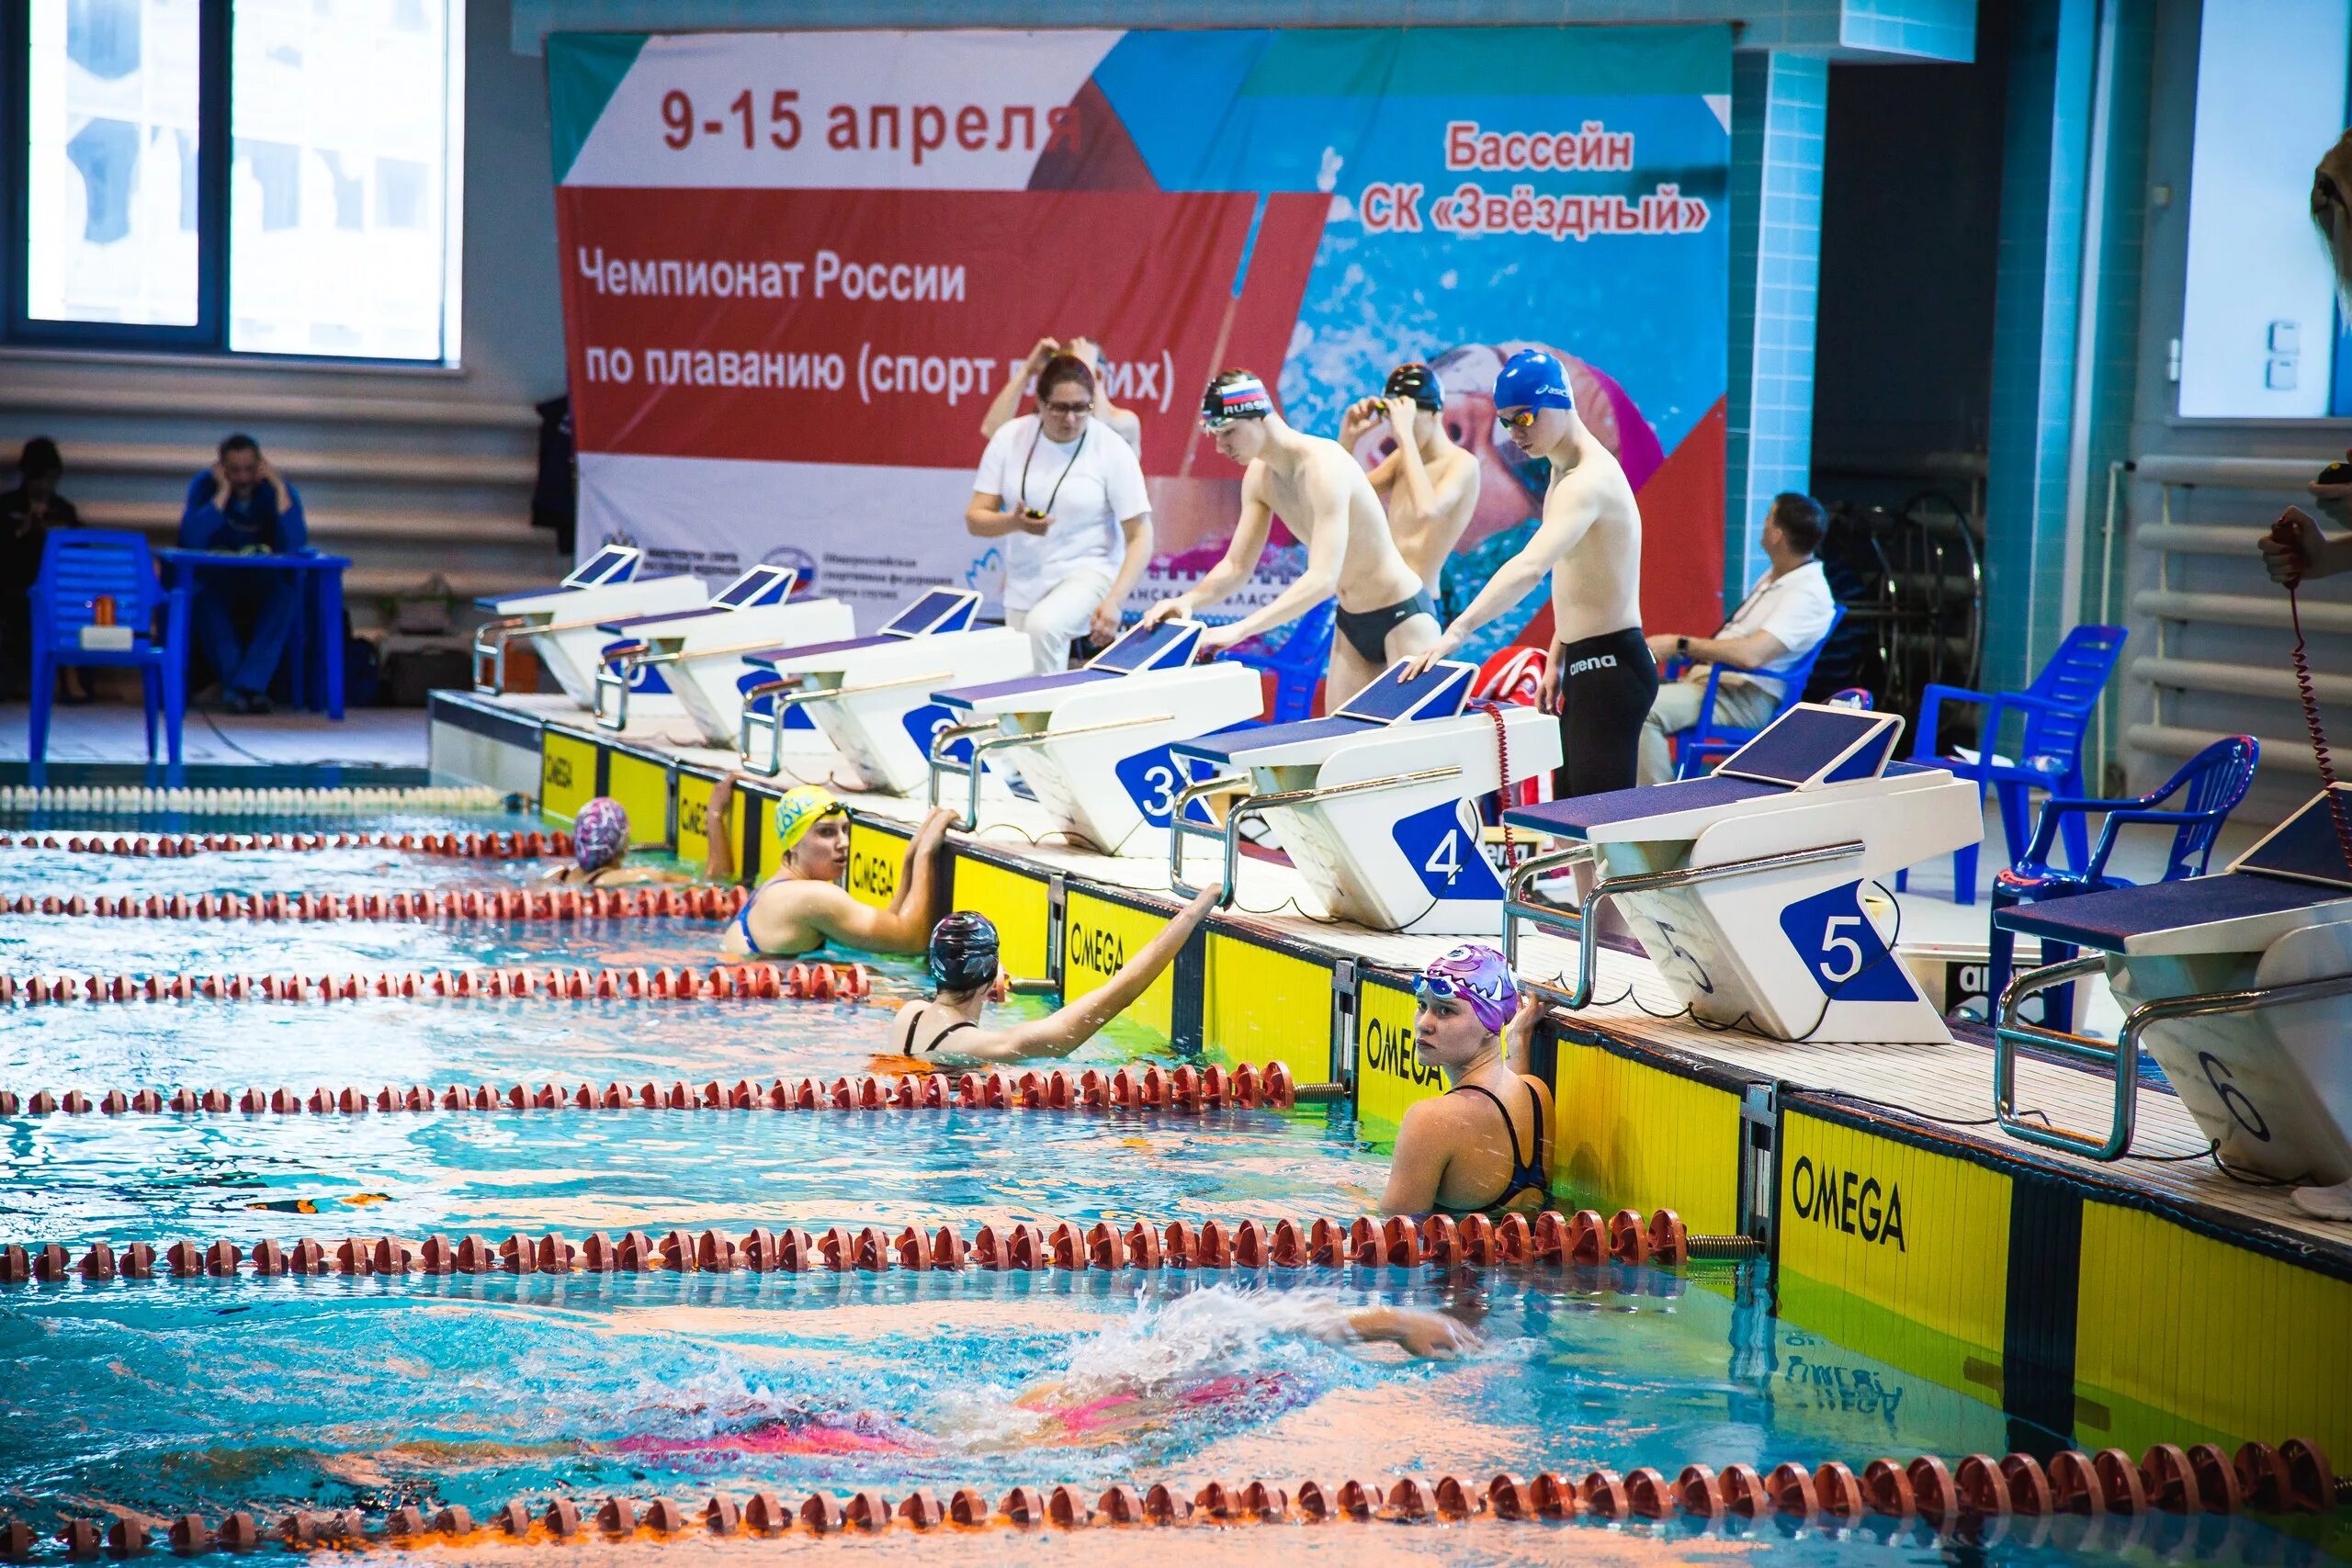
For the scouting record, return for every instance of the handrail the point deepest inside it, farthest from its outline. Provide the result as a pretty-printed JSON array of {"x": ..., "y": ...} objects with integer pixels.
[
  {"x": 2226, "y": 473},
  {"x": 2122, "y": 1058},
  {"x": 1256, "y": 806},
  {"x": 633, "y": 657},
  {"x": 1179, "y": 828},
  {"x": 983, "y": 743},
  {"x": 1589, "y": 951},
  {"x": 496, "y": 651},
  {"x": 789, "y": 699}
]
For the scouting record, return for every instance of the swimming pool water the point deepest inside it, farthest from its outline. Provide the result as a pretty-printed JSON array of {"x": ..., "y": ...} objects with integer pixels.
[{"x": 270, "y": 1393}]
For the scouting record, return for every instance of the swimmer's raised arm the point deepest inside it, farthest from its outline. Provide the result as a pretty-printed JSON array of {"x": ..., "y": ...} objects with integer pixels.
[{"x": 1065, "y": 1029}]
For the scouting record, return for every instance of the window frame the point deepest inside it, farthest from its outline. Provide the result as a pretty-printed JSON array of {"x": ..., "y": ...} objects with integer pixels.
[{"x": 207, "y": 340}]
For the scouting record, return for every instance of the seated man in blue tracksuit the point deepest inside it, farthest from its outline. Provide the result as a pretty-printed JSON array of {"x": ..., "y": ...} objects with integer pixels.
[{"x": 240, "y": 505}]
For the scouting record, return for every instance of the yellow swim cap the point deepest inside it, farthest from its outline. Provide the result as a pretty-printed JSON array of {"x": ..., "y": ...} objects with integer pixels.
[{"x": 801, "y": 808}]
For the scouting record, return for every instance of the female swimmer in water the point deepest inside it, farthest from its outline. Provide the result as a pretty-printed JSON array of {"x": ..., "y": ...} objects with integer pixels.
[
  {"x": 964, "y": 967},
  {"x": 600, "y": 845},
  {"x": 1481, "y": 1146},
  {"x": 796, "y": 912}
]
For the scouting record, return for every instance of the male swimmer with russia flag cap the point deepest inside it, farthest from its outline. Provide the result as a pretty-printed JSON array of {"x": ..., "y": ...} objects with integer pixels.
[
  {"x": 803, "y": 908},
  {"x": 1598, "y": 676},
  {"x": 1320, "y": 493}
]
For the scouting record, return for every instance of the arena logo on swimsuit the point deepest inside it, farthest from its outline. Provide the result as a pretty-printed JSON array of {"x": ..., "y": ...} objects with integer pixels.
[
  {"x": 1848, "y": 1201},
  {"x": 1388, "y": 1048},
  {"x": 1096, "y": 951},
  {"x": 1598, "y": 661}
]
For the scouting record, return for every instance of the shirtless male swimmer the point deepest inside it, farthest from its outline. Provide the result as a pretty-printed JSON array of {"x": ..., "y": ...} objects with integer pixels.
[
  {"x": 1598, "y": 676},
  {"x": 1428, "y": 481},
  {"x": 1320, "y": 491}
]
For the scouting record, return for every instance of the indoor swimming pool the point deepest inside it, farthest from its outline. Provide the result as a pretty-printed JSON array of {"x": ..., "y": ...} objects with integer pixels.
[{"x": 160, "y": 1397}]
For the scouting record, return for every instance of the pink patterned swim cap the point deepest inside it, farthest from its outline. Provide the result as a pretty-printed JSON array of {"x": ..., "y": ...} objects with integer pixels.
[{"x": 600, "y": 833}]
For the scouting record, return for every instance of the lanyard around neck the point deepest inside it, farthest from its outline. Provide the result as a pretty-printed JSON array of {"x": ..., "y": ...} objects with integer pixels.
[{"x": 1039, "y": 434}]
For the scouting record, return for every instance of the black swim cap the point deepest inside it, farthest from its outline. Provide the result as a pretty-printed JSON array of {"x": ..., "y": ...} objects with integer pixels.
[
  {"x": 1419, "y": 382},
  {"x": 963, "y": 951}
]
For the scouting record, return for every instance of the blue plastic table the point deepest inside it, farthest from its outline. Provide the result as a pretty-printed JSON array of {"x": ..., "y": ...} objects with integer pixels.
[{"x": 315, "y": 645}]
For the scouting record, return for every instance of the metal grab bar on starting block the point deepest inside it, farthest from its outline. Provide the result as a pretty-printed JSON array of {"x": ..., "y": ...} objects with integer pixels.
[
  {"x": 787, "y": 699},
  {"x": 613, "y": 673},
  {"x": 2122, "y": 1058},
  {"x": 514, "y": 626},
  {"x": 1256, "y": 806},
  {"x": 1546, "y": 915},
  {"x": 982, "y": 734}
]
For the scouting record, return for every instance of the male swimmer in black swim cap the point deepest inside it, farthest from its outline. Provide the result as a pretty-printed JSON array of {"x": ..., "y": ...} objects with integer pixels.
[{"x": 1428, "y": 481}]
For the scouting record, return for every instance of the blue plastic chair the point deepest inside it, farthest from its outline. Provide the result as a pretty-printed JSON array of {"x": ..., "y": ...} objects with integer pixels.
[
  {"x": 1705, "y": 743},
  {"x": 2212, "y": 783},
  {"x": 79, "y": 565},
  {"x": 1297, "y": 662},
  {"x": 2055, "y": 710}
]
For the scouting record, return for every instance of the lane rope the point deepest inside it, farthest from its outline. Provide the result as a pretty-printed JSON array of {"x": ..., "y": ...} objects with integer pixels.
[
  {"x": 1185, "y": 1090},
  {"x": 244, "y": 802},
  {"x": 176, "y": 846},
  {"x": 471, "y": 904},
  {"x": 1980, "y": 1496},
  {"x": 745, "y": 982},
  {"x": 1438, "y": 1242}
]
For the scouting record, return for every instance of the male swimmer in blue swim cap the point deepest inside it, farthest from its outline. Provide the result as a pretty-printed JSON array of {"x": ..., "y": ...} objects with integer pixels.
[
  {"x": 803, "y": 907},
  {"x": 1599, "y": 676},
  {"x": 1480, "y": 1147}
]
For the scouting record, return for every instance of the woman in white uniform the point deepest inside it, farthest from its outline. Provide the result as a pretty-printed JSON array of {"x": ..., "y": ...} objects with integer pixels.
[{"x": 1067, "y": 497}]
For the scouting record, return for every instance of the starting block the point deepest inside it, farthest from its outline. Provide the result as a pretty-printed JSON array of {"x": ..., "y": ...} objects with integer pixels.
[
  {"x": 1094, "y": 743},
  {"x": 564, "y": 625},
  {"x": 1374, "y": 803},
  {"x": 1745, "y": 886},
  {"x": 695, "y": 655},
  {"x": 871, "y": 695},
  {"x": 2239, "y": 986}
]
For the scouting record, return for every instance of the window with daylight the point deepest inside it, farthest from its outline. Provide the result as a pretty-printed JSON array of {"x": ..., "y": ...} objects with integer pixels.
[{"x": 253, "y": 176}]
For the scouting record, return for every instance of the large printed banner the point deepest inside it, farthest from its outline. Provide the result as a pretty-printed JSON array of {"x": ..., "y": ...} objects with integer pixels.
[{"x": 796, "y": 267}]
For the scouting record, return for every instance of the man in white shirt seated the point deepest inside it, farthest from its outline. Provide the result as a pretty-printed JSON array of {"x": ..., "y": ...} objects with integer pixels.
[
  {"x": 1065, "y": 495},
  {"x": 1784, "y": 617}
]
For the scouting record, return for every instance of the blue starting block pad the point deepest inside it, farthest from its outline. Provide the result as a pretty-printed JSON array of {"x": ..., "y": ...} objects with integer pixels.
[
  {"x": 697, "y": 655},
  {"x": 564, "y": 625},
  {"x": 870, "y": 696},
  {"x": 1749, "y": 940},
  {"x": 2260, "y": 956},
  {"x": 1094, "y": 745},
  {"x": 1377, "y": 805}
]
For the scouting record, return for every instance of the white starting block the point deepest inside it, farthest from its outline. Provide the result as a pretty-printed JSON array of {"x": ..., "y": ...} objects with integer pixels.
[
  {"x": 1093, "y": 743},
  {"x": 871, "y": 695},
  {"x": 695, "y": 655},
  {"x": 2240, "y": 985},
  {"x": 1745, "y": 887},
  {"x": 564, "y": 625},
  {"x": 1374, "y": 803}
]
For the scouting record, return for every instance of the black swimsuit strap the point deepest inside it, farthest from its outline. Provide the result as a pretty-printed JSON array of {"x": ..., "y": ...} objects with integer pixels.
[
  {"x": 1510, "y": 1128},
  {"x": 907, "y": 1036}
]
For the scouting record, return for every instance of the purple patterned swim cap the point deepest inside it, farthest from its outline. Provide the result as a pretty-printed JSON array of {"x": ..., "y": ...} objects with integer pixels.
[
  {"x": 1475, "y": 975},
  {"x": 600, "y": 833}
]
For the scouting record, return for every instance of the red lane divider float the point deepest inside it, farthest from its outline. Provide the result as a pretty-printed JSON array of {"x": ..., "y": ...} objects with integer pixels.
[
  {"x": 471, "y": 904},
  {"x": 172, "y": 846},
  {"x": 2293, "y": 1478},
  {"x": 750, "y": 982},
  {"x": 1123, "y": 1088},
  {"x": 1438, "y": 1242}
]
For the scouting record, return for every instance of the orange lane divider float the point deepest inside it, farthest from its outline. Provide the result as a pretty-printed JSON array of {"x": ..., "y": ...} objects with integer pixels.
[
  {"x": 173, "y": 846},
  {"x": 761, "y": 981},
  {"x": 2293, "y": 1478},
  {"x": 1438, "y": 1242},
  {"x": 1123, "y": 1088},
  {"x": 471, "y": 904}
]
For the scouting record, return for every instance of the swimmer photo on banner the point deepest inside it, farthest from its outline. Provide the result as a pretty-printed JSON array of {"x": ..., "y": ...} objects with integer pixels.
[{"x": 758, "y": 228}]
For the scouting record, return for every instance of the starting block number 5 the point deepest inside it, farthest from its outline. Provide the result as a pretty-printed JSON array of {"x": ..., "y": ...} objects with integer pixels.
[{"x": 1841, "y": 949}]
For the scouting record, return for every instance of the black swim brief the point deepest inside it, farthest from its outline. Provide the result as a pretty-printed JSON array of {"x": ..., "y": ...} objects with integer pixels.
[
  {"x": 1367, "y": 630},
  {"x": 1607, "y": 684}
]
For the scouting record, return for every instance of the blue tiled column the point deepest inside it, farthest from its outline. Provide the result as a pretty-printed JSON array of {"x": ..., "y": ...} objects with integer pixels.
[
  {"x": 2037, "y": 290},
  {"x": 1779, "y": 110}
]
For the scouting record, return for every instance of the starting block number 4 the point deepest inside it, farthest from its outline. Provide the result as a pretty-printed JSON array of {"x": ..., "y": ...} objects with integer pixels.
[
  {"x": 1840, "y": 948},
  {"x": 1446, "y": 856}
]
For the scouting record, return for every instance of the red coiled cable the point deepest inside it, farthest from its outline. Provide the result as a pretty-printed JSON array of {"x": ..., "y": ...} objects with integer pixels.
[{"x": 2336, "y": 810}]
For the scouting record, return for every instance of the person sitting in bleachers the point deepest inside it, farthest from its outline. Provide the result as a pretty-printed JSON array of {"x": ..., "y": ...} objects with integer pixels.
[
  {"x": 241, "y": 506},
  {"x": 1783, "y": 617}
]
